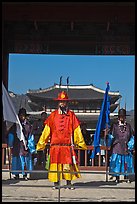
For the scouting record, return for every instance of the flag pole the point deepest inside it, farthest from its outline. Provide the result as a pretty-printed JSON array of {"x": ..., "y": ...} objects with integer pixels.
[
  {"x": 125, "y": 104},
  {"x": 106, "y": 133},
  {"x": 60, "y": 82},
  {"x": 9, "y": 160},
  {"x": 106, "y": 162},
  {"x": 72, "y": 143},
  {"x": 67, "y": 85}
]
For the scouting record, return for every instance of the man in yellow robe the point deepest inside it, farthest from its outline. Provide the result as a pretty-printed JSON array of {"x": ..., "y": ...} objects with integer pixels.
[{"x": 63, "y": 130}]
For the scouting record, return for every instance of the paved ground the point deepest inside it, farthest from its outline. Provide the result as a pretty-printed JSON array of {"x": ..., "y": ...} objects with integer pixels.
[{"x": 90, "y": 188}]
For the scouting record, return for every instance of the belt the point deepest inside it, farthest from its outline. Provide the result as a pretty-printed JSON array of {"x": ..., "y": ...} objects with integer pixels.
[{"x": 60, "y": 145}]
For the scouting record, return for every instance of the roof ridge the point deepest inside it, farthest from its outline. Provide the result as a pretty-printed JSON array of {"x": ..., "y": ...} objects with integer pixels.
[{"x": 57, "y": 86}]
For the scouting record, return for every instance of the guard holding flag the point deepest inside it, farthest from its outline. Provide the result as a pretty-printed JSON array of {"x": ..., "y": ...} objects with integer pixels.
[
  {"x": 21, "y": 157},
  {"x": 63, "y": 129}
]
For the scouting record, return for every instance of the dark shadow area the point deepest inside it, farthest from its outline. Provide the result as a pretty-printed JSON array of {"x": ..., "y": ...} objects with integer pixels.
[
  {"x": 11, "y": 181},
  {"x": 132, "y": 178},
  {"x": 94, "y": 184},
  {"x": 91, "y": 184},
  {"x": 37, "y": 176},
  {"x": 102, "y": 184}
]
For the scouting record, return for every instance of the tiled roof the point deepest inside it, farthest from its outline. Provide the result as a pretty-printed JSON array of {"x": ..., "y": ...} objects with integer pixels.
[
  {"x": 21, "y": 101},
  {"x": 81, "y": 92},
  {"x": 35, "y": 99}
]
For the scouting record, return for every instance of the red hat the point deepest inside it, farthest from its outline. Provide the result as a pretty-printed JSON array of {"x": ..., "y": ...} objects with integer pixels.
[{"x": 62, "y": 97}]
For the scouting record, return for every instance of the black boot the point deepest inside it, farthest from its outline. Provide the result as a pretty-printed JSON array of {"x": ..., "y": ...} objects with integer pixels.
[
  {"x": 16, "y": 177},
  {"x": 69, "y": 185},
  {"x": 127, "y": 179},
  {"x": 56, "y": 185},
  {"x": 117, "y": 179},
  {"x": 25, "y": 177}
]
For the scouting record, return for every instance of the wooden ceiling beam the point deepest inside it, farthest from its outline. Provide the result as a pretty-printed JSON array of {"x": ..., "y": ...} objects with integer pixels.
[{"x": 92, "y": 12}]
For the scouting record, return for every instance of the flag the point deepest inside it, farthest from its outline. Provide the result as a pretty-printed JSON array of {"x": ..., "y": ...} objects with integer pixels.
[
  {"x": 67, "y": 81},
  {"x": 103, "y": 122},
  {"x": 10, "y": 115},
  {"x": 60, "y": 82},
  {"x": 67, "y": 84}
]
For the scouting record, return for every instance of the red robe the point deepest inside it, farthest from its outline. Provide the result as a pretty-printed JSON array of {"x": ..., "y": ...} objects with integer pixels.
[{"x": 60, "y": 129}]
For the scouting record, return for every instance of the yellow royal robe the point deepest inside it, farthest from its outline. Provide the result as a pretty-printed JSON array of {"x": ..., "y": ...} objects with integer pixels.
[{"x": 60, "y": 129}]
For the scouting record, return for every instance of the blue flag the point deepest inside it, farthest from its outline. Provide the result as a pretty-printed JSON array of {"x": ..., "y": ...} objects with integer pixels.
[{"x": 103, "y": 122}]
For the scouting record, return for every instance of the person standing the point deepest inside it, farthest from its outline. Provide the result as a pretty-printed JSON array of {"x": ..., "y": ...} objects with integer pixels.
[
  {"x": 38, "y": 126},
  {"x": 121, "y": 157},
  {"x": 21, "y": 157},
  {"x": 88, "y": 141},
  {"x": 63, "y": 128}
]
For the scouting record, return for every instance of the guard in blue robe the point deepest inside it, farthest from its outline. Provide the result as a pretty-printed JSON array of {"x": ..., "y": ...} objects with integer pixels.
[
  {"x": 122, "y": 144},
  {"x": 21, "y": 157}
]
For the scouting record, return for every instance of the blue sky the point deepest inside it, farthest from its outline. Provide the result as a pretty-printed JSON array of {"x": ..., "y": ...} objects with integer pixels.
[{"x": 34, "y": 71}]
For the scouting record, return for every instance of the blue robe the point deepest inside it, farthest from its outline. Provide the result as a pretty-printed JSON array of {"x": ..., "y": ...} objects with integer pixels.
[
  {"x": 21, "y": 158},
  {"x": 121, "y": 159}
]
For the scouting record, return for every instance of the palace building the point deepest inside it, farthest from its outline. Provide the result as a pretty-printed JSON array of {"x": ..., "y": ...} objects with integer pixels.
[{"x": 86, "y": 101}]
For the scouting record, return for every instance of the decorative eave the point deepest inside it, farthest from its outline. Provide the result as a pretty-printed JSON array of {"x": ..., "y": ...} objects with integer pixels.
[
  {"x": 56, "y": 86},
  {"x": 77, "y": 93}
]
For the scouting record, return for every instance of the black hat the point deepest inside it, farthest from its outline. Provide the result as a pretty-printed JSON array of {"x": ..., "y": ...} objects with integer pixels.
[
  {"x": 22, "y": 111},
  {"x": 43, "y": 113},
  {"x": 122, "y": 112}
]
